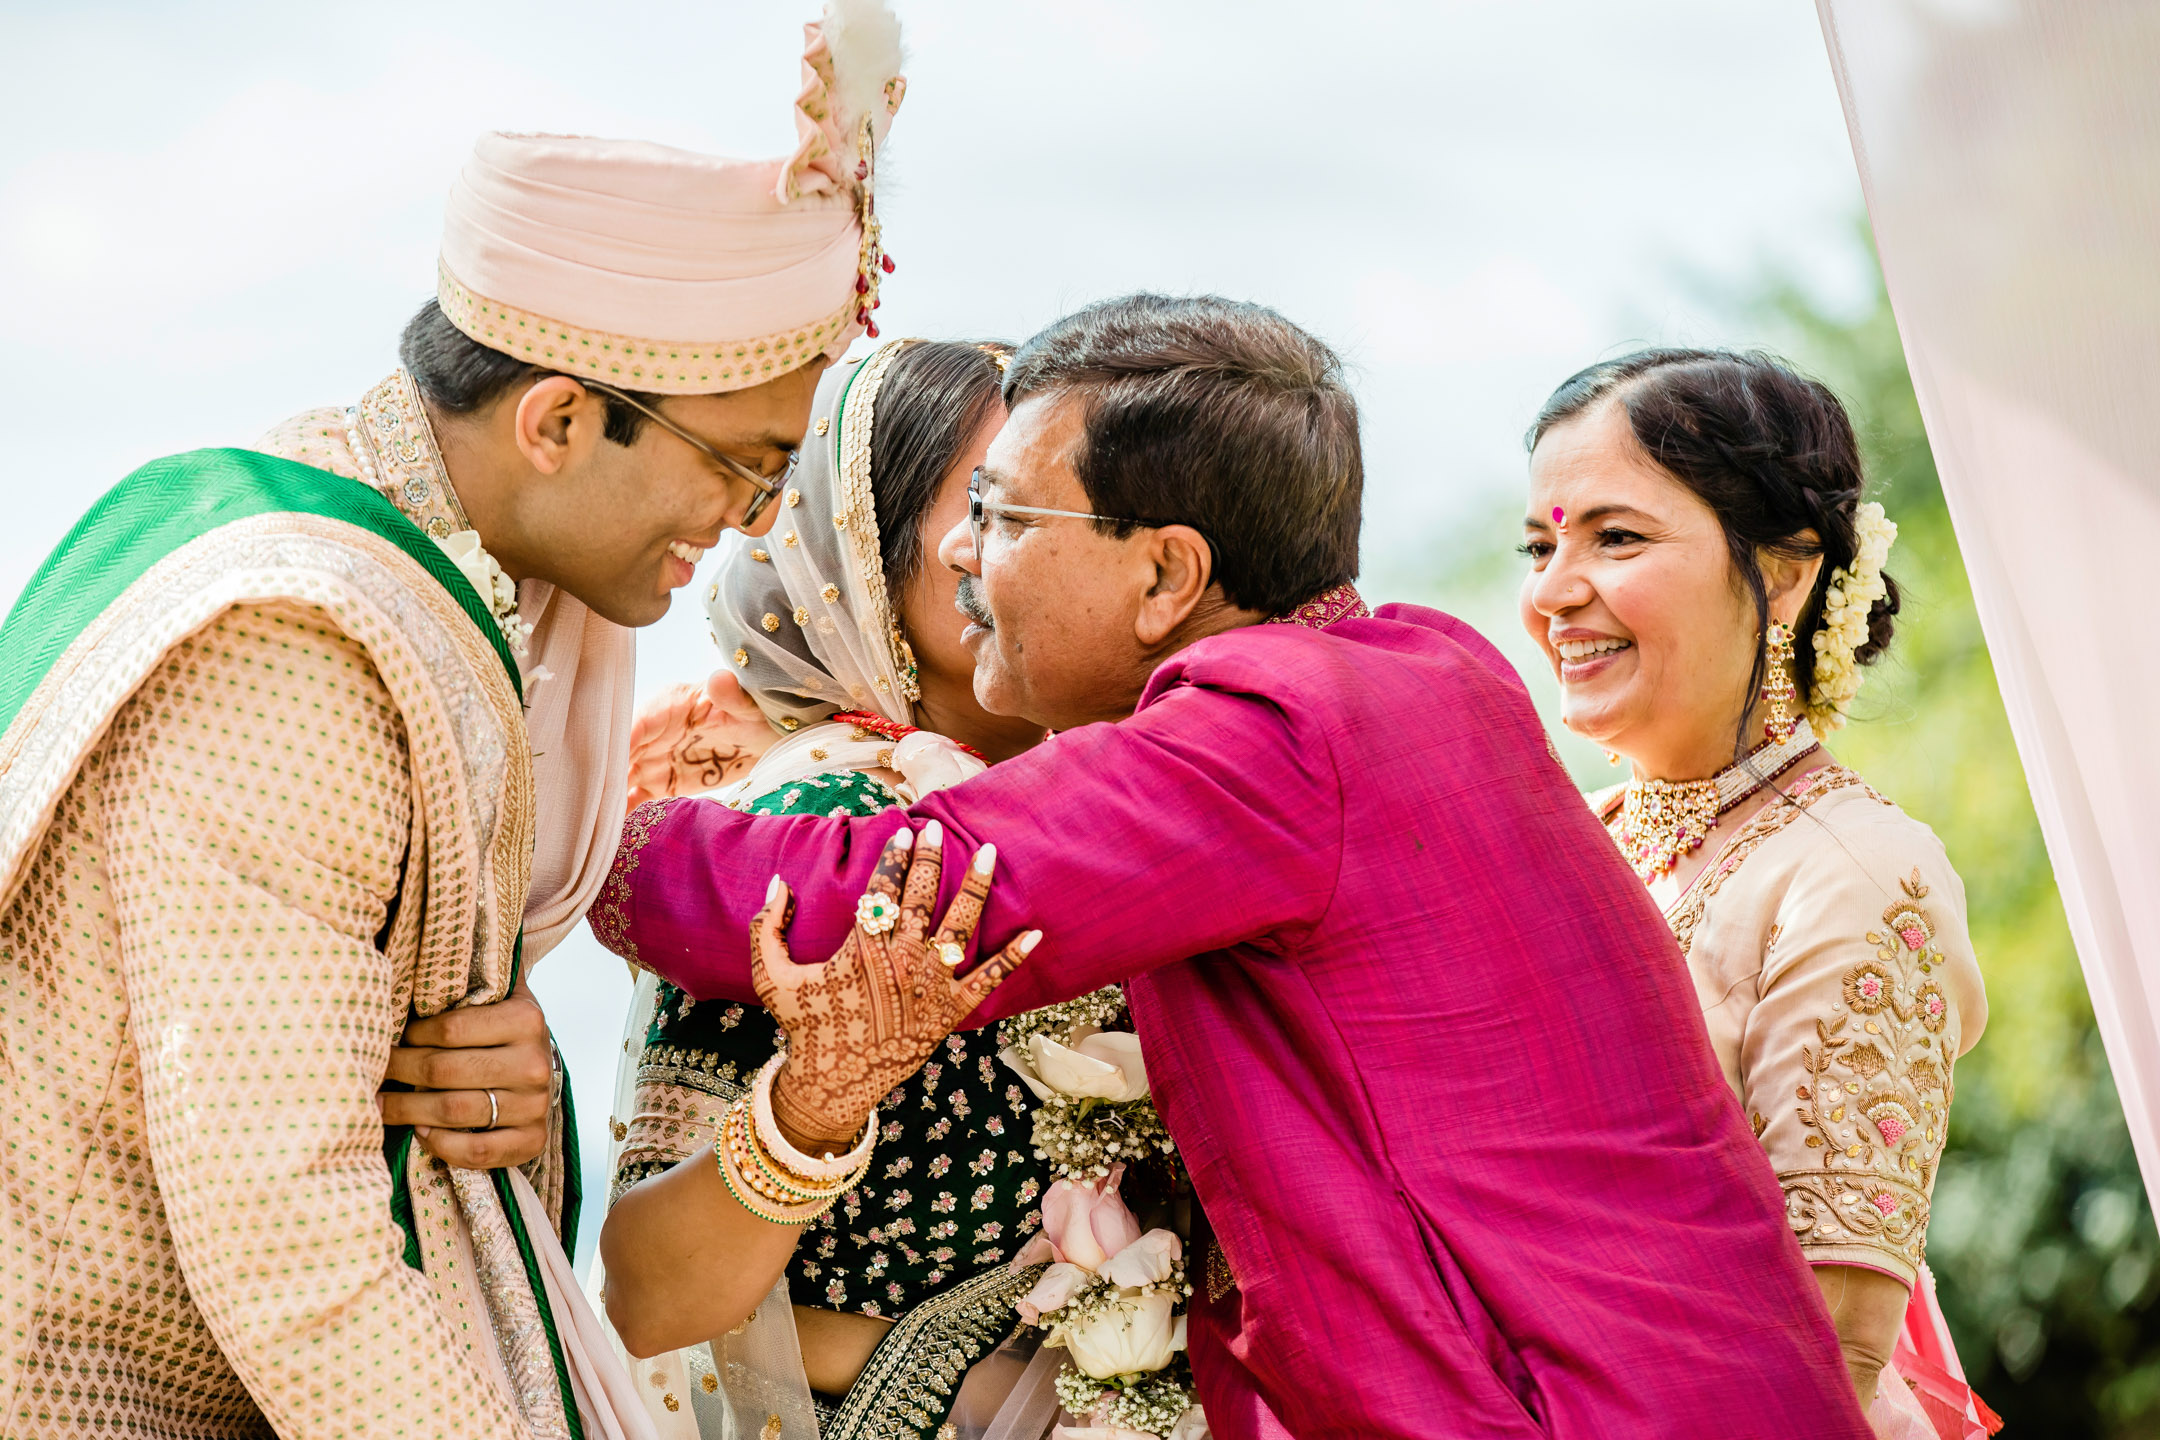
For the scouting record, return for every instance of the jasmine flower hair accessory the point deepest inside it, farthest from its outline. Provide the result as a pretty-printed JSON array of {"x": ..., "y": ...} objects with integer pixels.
[{"x": 1846, "y": 604}]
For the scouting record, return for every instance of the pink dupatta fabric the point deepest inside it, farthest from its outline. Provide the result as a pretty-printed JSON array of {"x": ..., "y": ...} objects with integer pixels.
[{"x": 1925, "y": 1380}]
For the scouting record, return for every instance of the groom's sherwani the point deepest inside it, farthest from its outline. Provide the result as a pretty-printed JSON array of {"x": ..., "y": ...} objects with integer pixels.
[{"x": 265, "y": 791}]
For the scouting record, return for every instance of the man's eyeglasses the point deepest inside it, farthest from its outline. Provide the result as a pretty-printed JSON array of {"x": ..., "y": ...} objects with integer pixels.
[
  {"x": 765, "y": 489},
  {"x": 979, "y": 507}
]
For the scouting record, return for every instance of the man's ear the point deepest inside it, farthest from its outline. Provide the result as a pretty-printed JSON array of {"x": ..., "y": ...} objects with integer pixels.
[
  {"x": 1789, "y": 580},
  {"x": 555, "y": 419},
  {"x": 1184, "y": 566}
]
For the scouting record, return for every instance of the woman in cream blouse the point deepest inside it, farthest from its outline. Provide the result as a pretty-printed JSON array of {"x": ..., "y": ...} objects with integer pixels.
[{"x": 1707, "y": 584}]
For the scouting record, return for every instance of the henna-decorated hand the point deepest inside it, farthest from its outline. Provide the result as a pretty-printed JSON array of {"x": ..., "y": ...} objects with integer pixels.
[
  {"x": 687, "y": 739},
  {"x": 865, "y": 1020}
]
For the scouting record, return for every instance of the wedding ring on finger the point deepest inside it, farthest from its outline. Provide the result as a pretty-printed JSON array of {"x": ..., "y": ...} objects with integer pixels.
[
  {"x": 950, "y": 953},
  {"x": 876, "y": 913},
  {"x": 494, "y": 1112}
]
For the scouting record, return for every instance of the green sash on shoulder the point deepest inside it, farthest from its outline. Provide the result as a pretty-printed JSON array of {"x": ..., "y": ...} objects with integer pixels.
[
  {"x": 162, "y": 507},
  {"x": 152, "y": 513}
]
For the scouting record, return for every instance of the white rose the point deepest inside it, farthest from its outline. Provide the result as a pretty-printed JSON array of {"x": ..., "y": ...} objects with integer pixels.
[
  {"x": 1125, "y": 1337},
  {"x": 478, "y": 567},
  {"x": 1016, "y": 1060},
  {"x": 1103, "y": 1066}
]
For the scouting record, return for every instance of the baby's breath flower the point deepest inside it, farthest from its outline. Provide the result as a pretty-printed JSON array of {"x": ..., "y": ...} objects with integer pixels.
[
  {"x": 1151, "y": 1404},
  {"x": 1097, "y": 1009}
]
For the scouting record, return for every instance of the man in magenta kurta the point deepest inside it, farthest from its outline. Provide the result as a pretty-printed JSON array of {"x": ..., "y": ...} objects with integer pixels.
[{"x": 1429, "y": 1053}]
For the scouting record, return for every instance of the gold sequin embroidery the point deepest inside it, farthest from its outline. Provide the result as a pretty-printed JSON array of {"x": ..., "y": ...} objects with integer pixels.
[{"x": 1876, "y": 1103}]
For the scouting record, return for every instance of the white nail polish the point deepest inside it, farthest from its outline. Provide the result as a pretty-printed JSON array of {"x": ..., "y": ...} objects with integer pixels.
[
  {"x": 985, "y": 860},
  {"x": 904, "y": 838},
  {"x": 1029, "y": 941},
  {"x": 772, "y": 891},
  {"x": 933, "y": 835}
]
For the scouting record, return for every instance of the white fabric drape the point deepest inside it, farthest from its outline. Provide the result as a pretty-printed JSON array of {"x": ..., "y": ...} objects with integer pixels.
[{"x": 2010, "y": 153}]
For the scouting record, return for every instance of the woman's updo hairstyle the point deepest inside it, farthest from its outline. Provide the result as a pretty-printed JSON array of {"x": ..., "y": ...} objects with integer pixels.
[
  {"x": 935, "y": 397},
  {"x": 1771, "y": 452}
]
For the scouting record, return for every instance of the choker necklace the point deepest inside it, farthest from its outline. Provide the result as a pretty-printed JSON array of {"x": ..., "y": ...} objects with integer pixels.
[{"x": 1661, "y": 821}]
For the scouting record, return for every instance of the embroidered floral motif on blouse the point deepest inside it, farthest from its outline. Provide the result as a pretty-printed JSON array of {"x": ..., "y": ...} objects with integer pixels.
[
  {"x": 1877, "y": 1100},
  {"x": 1766, "y": 822},
  {"x": 1837, "y": 1019}
]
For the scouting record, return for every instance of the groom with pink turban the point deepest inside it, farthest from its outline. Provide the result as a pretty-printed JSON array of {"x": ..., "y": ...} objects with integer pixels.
[
  {"x": 1429, "y": 1054},
  {"x": 300, "y": 741}
]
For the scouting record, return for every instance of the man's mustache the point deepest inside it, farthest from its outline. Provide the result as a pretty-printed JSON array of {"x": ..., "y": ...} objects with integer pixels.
[{"x": 969, "y": 602}]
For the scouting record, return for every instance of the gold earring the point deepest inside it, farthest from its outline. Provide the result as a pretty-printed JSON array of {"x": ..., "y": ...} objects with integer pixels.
[
  {"x": 1777, "y": 690},
  {"x": 904, "y": 658}
]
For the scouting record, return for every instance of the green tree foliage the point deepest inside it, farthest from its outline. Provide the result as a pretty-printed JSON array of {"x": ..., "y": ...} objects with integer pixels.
[{"x": 2042, "y": 1239}]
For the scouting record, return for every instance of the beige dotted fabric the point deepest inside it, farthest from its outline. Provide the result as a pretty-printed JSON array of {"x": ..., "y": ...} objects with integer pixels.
[
  {"x": 195, "y": 1018},
  {"x": 314, "y": 437}
]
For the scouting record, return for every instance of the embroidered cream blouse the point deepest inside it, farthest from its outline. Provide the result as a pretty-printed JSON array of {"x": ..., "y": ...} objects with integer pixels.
[{"x": 1828, "y": 946}]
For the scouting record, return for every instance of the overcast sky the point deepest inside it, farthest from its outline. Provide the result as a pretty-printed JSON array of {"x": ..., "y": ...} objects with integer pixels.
[{"x": 213, "y": 217}]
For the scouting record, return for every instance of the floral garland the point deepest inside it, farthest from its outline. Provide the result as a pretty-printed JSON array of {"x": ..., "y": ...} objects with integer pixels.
[
  {"x": 1852, "y": 594},
  {"x": 1113, "y": 1296},
  {"x": 1090, "y": 1119},
  {"x": 497, "y": 591}
]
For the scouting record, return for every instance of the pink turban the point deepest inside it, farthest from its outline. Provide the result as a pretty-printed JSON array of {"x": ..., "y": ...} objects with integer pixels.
[{"x": 660, "y": 270}]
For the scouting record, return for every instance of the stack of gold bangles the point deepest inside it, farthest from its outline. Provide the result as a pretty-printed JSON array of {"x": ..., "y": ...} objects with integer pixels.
[{"x": 771, "y": 1178}]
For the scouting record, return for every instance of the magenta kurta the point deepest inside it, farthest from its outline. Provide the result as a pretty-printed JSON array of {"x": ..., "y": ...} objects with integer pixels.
[{"x": 1431, "y": 1055}]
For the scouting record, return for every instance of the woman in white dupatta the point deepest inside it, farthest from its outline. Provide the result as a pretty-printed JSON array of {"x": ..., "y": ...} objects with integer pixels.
[{"x": 843, "y": 633}]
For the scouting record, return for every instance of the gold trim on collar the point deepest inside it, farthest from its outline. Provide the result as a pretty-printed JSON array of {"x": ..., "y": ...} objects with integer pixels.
[{"x": 393, "y": 445}]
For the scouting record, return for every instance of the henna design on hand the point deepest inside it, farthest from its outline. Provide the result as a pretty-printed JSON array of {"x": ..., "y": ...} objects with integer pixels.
[
  {"x": 865, "y": 1020},
  {"x": 687, "y": 739},
  {"x": 705, "y": 764}
]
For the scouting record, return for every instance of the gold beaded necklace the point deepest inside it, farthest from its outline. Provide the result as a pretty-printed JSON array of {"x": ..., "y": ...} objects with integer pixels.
[{"x": 1660, "y": 821}]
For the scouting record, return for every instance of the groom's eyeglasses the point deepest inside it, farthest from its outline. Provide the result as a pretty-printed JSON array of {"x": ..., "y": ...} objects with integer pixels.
[
  {"x": 979, "y": 507},
  {"x": 764, "y": 489}
]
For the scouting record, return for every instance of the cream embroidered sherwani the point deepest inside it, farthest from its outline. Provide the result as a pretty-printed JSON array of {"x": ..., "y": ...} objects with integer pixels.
[{"x": 274, "y": 798}]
